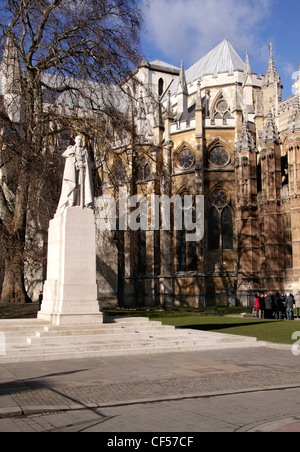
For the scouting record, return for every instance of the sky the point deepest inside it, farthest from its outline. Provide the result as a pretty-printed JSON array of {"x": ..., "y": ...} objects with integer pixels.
[{"x": 176, "y": 30}]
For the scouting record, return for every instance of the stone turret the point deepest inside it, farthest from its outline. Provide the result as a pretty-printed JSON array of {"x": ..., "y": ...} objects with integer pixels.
[
  {"x": 246, "y": 212},
  {"x": 10, "y": 69},
  {"x": 271, "y": 88},
  {"x": 270, "y": 220},
  {"x": 246, "y": 170},
  {"x": 11, "y": 82},
  {"x": 270, "y": 161},
  {"x": 248, "y": 87},
  {"x": 182, "y": 95}
]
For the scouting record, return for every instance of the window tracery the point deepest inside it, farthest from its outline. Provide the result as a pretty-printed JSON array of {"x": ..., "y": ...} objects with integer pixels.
[
  {"x": 221, "y": 110},
  {"x": 185, "y": 157},
  {"x": 219, "y": 156},
  {"x": 220, "y": 221}
]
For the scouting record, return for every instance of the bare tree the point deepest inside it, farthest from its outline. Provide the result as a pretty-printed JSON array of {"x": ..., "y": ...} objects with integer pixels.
[{"x": 67, "y": 58}]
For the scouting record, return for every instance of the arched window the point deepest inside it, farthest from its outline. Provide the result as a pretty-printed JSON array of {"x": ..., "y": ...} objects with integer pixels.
[
  {"x": 160, "y": 86},
  {"x": 220, "y": 222},
  {"x": 213, "y": 229},
  {"x": 142, "y": 252},
  {"x": 221, "y": 110},
  {"x": 227, "y": 229},
  {"x": 192, "y": 251},
  {"x": 187, "y": 258},
  {"x": 144, "y": 171},
  {"x": 219, "y": 157},
  {"x": 147, "y": 171},
  {"x": 185, "y": 157},
  {"x": 181, "y": 251}
]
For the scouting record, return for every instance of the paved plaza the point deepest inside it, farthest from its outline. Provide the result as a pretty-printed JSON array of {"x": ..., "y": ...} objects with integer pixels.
[{"x": 253, "y": 389}]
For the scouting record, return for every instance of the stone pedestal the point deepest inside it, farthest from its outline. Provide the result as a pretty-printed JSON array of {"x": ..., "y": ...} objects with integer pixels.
[{"x": 70, "y": 292}]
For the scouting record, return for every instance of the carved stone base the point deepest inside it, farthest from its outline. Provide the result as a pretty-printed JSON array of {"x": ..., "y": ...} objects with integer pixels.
[{"x": 70, "y": 292}]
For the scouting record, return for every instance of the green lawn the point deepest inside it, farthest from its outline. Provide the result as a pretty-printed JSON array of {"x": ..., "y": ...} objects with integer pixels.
[{"x": 279, "y": 331}]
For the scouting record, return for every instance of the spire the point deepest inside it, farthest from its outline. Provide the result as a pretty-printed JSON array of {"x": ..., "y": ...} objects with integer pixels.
[
  {"x": 247, "y": 73},
  {"x": 182, "y": 96},
  {"x": 182, "y": 85},
  {"x": 270, "y": 133},
  {"x": 245, "y": 141},
  {"x": 10, "y": 68},
  {"x": 272, "y": 75}
]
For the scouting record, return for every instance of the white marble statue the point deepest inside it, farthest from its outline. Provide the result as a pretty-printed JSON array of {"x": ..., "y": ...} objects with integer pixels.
[{"x": 77, "y": 188}]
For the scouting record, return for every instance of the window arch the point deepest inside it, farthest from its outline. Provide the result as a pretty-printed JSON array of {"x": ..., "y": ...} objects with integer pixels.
[
  {"x": 213, "y": 229},
  {"x": 147, "y": 171},
  {"x": 142, "y": 252},
  {"x": 219, "y": 154},
  {"x": 227, "y": 229},
  {"x": 160, "y": 87},
  {"x": 220, "y": 221},
  {"x": 144, "y": 171},
  {"x": 185, "y": 156},
  {"x": 220, "y": 109},
  {"x": 186, "y": 251}
]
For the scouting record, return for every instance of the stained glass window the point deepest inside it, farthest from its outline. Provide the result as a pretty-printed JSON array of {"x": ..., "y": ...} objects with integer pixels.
[
  {"x": 186, "y": 159},
  {"x": 219, "y": 199},
  {"x": 222, "y": 106},
  {"x": 219, "y": 157}
]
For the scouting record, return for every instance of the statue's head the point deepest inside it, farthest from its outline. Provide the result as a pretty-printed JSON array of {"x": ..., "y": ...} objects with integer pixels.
[{"x": 78, "y": 141}]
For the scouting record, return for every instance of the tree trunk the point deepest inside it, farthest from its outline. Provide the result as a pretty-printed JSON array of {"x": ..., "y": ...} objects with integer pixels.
[
  {"x": 13, "y": 288},
  {"x": 13, "y": 246}
]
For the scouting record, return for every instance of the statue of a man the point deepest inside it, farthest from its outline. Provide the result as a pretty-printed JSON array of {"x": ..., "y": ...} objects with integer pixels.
[{"x": 77, "y": 188}]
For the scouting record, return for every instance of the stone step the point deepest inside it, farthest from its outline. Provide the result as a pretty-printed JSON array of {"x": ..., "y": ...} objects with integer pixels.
[
  {"x": 133, "y": 323},
  {"x": 128, "y": 341},
  {"x": 154, "y": 344},
  {"x": 33, "y": 349},
  {"x": 49, "y": 331},
  {"x": 45, "y": 338},
  {"x": 81, "y": 329},
  {"x": 33, "y": 341},
  {"x": 75, "y": 334},
  {"x": 41, "y": 355},
  {"x": 127, "y": 320},
  {"x": 7, "y": 326}
]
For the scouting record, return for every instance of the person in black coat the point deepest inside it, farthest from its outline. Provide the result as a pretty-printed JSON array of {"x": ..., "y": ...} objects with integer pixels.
[
  {"x": 279, "y": 307},
  {"x": 268, "y": 306}
]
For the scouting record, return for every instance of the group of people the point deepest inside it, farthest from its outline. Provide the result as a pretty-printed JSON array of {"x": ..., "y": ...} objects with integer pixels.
[{"x": 277, "y": 305}]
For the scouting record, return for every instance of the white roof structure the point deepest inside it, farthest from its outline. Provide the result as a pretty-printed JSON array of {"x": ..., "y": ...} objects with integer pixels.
[
  {"x": 222, "y": 58},
  {"x": 163, "y": 65}
]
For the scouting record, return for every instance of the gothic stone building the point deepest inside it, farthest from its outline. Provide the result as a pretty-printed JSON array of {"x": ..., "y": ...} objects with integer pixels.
[
  {"x": 220, "y": 131},
  {"x": 223, "y": 132}
]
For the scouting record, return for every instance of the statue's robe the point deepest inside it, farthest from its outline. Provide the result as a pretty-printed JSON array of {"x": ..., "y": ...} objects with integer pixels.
[{"x": 70, "y": 193}]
